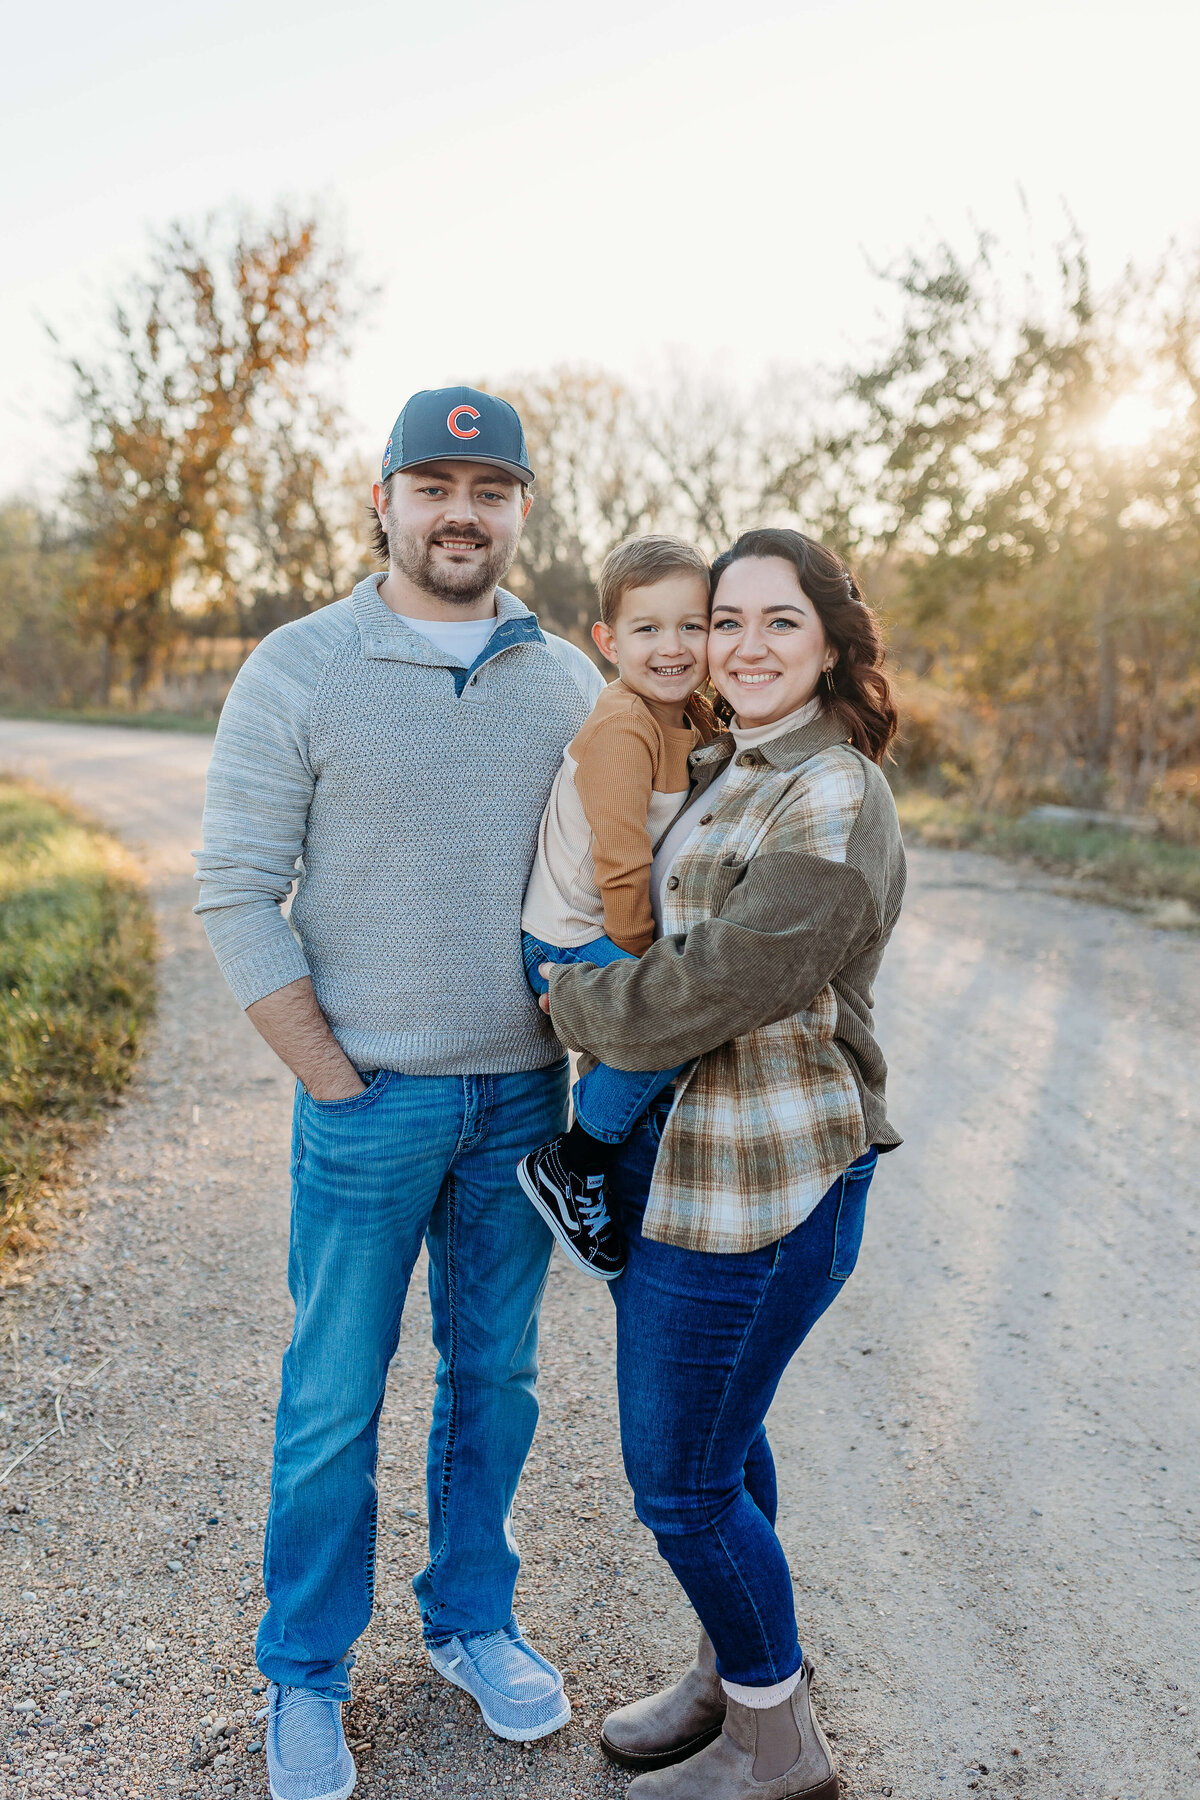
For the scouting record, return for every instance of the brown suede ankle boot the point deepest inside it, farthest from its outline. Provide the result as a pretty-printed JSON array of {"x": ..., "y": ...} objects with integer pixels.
[
  {"x": 665, "y": 1728},
  {"x": 772, "y": 1753}
]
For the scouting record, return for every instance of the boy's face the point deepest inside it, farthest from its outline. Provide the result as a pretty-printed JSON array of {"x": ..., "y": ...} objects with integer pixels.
[{"x": 659, "y": 638}]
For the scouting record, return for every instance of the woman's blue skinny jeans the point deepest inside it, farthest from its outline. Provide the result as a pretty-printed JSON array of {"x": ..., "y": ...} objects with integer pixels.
[{"x": 702, "y": 1343}]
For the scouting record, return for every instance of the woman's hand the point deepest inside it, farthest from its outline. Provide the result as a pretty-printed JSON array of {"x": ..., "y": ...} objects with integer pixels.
[{"x": 544, "y": 999}]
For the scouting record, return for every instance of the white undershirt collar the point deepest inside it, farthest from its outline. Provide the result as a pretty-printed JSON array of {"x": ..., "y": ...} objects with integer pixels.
[{"x": 464, "y": 639}]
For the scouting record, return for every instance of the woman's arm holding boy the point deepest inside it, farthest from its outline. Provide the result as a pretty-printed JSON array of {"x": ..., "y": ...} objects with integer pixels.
[
  {"x": 785, "y": 930},
  {"x": 818, "y": 893}
]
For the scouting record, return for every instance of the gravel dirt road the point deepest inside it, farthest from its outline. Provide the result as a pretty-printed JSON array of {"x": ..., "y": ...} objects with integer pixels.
[{"x": 988, "y": 1449}]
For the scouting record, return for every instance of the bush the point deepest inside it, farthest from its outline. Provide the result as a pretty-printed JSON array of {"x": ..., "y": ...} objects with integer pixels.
[
  {"x": 76, "y": 990},
  {"x": 1175, "y": 802},
  {"x": 931, "y": 748}
]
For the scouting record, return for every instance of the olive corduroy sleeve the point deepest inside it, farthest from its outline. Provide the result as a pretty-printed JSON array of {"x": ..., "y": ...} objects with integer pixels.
[{"x": 787, "y": 926}]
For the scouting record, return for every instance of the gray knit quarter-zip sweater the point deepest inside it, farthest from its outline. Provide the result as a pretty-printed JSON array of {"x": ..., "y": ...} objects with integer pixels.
[{"x": 401, "y": 793}]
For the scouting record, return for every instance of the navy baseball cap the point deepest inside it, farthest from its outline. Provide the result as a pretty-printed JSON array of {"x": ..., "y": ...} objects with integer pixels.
[{"x": 460, "y": 424}]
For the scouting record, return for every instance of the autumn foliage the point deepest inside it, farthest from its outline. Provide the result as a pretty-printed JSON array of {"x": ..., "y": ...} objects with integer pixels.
[
  {"x": 1015, "y": 469},
  {"x": 211, "y": 446}
]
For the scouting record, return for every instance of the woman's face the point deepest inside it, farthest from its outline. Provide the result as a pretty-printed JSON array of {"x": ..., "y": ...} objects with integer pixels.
[{"x": 767, "y": 647}]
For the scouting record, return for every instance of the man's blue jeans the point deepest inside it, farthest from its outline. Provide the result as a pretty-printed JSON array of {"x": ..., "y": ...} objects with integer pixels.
[
  {"x": 412, "y": 1158},
  {"x": 608, "y": 1102},
  {"x": 702, "y": 1342}
]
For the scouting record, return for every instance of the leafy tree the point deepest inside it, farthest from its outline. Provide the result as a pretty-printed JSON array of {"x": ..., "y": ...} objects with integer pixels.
[
  {"x": 211, "y": 364},
  {"x": 1048, "y": 565}
]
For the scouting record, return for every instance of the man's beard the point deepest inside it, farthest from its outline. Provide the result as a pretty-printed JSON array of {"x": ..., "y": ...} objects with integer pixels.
[{"x": 461, "y": 584}]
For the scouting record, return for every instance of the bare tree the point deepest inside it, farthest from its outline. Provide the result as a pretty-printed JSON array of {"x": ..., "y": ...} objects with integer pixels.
[
  {"x": 595, "y": 485},
  {"x": 689, "y": 454}
]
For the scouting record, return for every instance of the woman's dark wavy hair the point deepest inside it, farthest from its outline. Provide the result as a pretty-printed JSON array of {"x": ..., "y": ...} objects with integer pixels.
[{"x": 860, "y": 694}]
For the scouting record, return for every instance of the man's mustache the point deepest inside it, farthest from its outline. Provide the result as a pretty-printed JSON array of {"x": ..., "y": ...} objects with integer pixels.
[{"x": 463, "y": 537}]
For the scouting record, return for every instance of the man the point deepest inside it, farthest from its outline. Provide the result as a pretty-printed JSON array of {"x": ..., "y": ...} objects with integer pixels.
[{"x": 402, "y": 743}]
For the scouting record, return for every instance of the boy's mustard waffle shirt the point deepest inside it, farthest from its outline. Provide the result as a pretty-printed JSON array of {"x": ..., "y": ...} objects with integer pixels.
[{"x": 623, "y": 779}]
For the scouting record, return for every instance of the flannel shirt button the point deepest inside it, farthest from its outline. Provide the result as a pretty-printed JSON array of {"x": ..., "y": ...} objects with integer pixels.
[
  {"x": 707, "y": 819},
  {"x": 672, "y": 881}
]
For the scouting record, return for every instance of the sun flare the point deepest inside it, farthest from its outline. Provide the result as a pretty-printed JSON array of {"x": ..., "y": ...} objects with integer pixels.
[{"x": 1131, "y": 422}]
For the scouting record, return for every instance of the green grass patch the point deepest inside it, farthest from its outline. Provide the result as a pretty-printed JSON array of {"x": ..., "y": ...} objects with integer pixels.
[
  {"x": 1119, "y": 866},
  {"x": 102, "y": 715},
  {"x": 76, "y": 991}
]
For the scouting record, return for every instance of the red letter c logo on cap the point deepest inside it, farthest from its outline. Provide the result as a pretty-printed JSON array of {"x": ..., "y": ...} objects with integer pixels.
[{"x": 458, "y": 413}]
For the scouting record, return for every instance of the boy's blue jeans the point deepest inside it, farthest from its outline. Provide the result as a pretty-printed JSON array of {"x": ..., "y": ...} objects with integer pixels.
[
  {"x": 608, "y": 1102},
  {"x": 414, "y": 1158}
]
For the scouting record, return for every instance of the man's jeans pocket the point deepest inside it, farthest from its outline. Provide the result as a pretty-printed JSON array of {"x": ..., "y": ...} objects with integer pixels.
[
  {"x": 533, "y": 954},
  {"x": 354, "y": 1102},
  {"x": 851, "y": 1216}
]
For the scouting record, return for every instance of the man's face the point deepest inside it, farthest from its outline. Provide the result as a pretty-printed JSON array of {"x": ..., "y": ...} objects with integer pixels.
[{"x": 453, "y": 527}]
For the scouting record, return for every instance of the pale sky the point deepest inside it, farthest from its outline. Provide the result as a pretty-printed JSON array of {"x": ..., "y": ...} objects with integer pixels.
[{"x": 539, "y": 181}]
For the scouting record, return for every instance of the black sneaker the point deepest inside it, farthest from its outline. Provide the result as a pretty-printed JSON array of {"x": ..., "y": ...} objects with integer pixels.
[{"x": 573, "y": 1207}]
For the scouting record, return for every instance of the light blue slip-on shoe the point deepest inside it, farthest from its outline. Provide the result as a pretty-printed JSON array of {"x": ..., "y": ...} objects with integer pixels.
[
  {"x": 307, "y": 1758},
  {"x": 518, "y": 1692}
]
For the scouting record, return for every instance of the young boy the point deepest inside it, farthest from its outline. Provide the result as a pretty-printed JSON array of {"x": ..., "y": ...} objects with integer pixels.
[{"x": 623, "y": 780}]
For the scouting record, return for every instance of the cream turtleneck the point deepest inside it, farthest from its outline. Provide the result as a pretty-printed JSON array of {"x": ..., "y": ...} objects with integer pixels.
[{"x": 748, "y": 737}]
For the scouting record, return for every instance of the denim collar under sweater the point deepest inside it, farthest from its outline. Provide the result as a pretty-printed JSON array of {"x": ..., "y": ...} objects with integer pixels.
[{"x": 385, "y": 634}]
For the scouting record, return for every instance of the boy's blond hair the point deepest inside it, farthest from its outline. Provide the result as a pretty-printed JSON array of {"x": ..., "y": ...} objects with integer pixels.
[{"x": 640, "y": 562}]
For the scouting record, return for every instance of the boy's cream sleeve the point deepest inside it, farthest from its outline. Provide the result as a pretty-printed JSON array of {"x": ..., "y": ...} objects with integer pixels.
[{"x": 616, "y": 760}]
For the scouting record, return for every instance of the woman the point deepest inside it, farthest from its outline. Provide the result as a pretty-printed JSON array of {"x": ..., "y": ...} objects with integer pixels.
[{"x": 743, "y": 1202}]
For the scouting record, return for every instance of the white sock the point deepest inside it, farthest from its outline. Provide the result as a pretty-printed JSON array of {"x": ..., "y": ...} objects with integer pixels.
[{"x": 761, "y": 1697}]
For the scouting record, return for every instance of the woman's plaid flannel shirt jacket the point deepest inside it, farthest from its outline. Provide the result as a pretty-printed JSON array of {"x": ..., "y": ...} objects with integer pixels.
[{"x": 775, "y": 918}]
